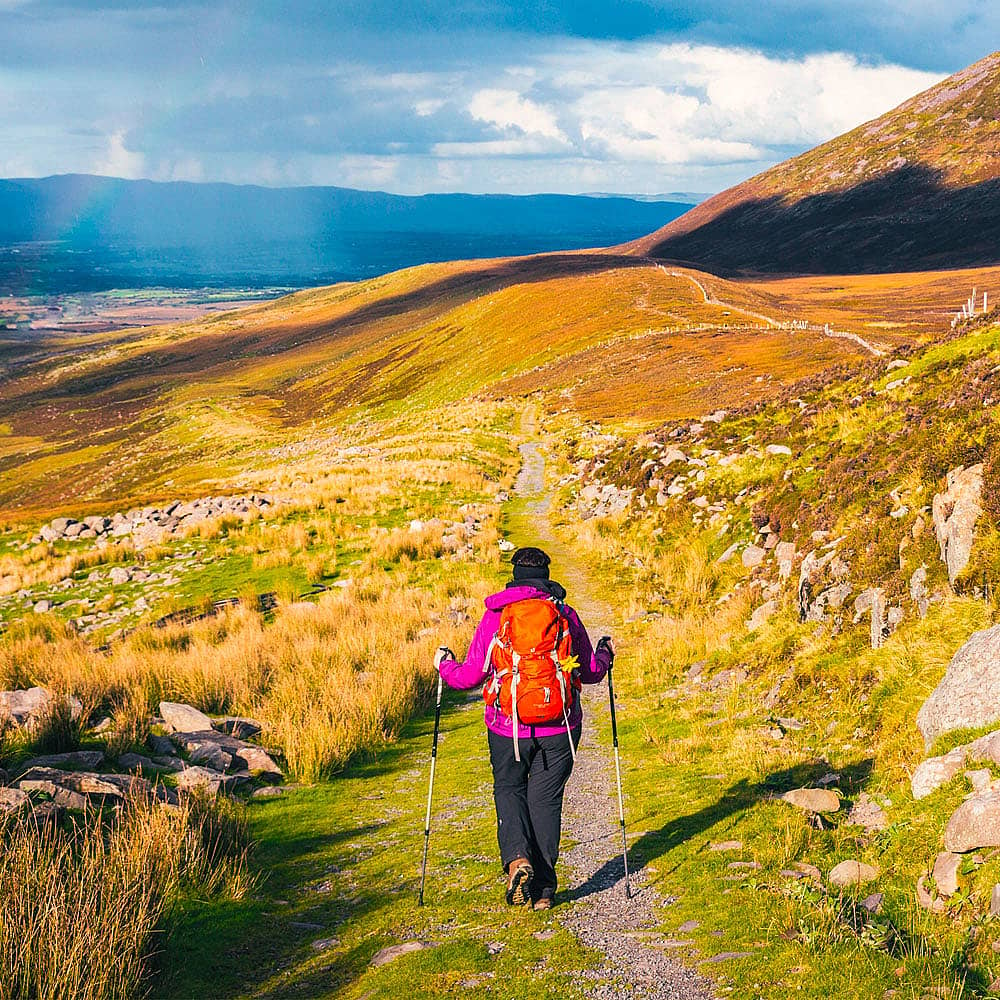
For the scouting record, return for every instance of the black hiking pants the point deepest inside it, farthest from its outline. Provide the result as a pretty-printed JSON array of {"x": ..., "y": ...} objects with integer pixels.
[{"x": 529, "y": 797}]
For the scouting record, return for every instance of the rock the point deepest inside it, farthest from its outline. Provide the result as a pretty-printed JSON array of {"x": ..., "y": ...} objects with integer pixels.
[
  {"x": 688, "y": 926},
  {"x": 926, "y": 900},
  {"x": 974, "y": 824},
  {"x": 160, "y": 744},
  {"x": 258, "y": 763},
  {"x": 985, "y": 748},
  {"x": 778, "y": 449},
  {"x": 267, "y": 792},
  {"x": 934, "y": 772},
  {"x": 135, "y": 762},
  {"x": 325, "y": 944},
  {"x": 995, "y": 901},
  {"x": 946, "y": 867},
  {"x": 84, "y": 782},
  {"x": 243, "y": 729},
  {"x": 849, "y": 873},
  {"x": 729, "y": 553},
  {"x": 726, "y": 956},
  {"x": 12, "y": 799},
  {"x": 394, "y": 951},
  {"x": 24, "y": 705},
  {"x": 809, "y": 871},
  {"x": 210, "y": 782},
  {"x": 969, "y": 694},
  {"x": 182, "y": 718},
  {"x": 213, "y": 756},
  {"x": 955, "y": 512},
  {"x": 727, "y": 845},
  {"x": 980, "y": 780},
  {"x": 867, "y": 813},
  {"x": 761, "y": 616},
  {"x": 64, "y": 797},
  {"x": 815, "y": 800},
  {"x": 753, "y": 556},
  {"x": 41, "y": 607},
  {"x": 76, "y": 760},
  {"x": 873, "y": 903},
  {"x": 120, "y": 575}
]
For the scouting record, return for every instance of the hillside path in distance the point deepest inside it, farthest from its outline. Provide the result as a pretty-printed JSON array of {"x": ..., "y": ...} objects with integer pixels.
[{"x": 592, "y": 872}]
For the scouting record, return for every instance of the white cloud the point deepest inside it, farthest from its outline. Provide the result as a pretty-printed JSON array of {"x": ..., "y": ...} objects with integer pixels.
[
  {"x": 119, "y": 161},
  {"x": 508, "y": 109}
]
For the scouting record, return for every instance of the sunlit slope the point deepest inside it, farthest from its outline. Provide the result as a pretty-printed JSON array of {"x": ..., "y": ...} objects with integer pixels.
[
  {"x": 916, "y": 189},
  {"x": 158, "y": 411}
]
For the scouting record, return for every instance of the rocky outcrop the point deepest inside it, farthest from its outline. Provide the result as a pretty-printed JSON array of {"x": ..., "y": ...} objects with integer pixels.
[
  {"x": 955, "y": 513},
  {"x": 969, "y": 694},
  {"x": 149, "y": 524}
]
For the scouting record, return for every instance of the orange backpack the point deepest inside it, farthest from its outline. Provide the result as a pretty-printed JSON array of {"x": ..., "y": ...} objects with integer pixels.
[{"x": 532, "y": 680}]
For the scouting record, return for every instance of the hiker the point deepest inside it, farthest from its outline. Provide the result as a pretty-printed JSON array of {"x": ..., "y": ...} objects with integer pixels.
[{"x": 527, "y": 627}]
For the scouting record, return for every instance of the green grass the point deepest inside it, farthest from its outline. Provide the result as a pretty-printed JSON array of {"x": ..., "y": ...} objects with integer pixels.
[{"x": 345, "y": 856}]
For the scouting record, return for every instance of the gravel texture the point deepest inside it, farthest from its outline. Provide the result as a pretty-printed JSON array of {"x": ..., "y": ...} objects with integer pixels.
[{"x": 636, "y": 964}]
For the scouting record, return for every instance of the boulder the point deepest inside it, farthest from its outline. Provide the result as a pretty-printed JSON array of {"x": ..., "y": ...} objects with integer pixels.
[
  {"x": 986, "y": 748},
  {"x": 955, "y": 512},
  {"x": 815, "y": 800},
  {"x": 969, "y": 694},
  {"x": 946, "y": 867},
  {"x": 934, "y": 772},
  {"x": 84, "y": 782},
  {"x": 778, "y": 449},
  {"x": 257, "y": 762},
  {"x": 753, "y": 556},
  {"x": 23, "y": 705},
  {"x": 974, "y": 824},
  {"x": 182, "y": 718},
  {"x": 212, "y": 755},
  {"x": 850, "y": 873},
  {"x": 239, "y": 727}
]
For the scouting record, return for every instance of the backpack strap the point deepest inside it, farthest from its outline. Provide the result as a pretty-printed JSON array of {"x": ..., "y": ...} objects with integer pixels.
[
  {"x": 569, "y": 732},
  {"x": 515, "y": 658}
]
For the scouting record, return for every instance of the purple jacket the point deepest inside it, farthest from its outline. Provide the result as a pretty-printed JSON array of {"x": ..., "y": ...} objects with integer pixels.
[{"x": 474, "y": 671}]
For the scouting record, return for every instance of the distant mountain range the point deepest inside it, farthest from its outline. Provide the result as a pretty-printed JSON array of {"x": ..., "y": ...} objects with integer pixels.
[
  {"x": 917, "y": 189},
  {"x": 103, "y": 232}
]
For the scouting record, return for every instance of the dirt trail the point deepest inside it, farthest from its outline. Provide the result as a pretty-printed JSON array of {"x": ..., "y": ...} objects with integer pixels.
[{"x": 635, "y": 964}]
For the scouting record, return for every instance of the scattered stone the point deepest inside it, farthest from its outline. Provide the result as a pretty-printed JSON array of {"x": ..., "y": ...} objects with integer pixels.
[
  {"x": 495, "y": 947},
  {"x": 873, "y": 903},
  {"x": 182, "y": 718},
  {"x": 926, "y": 900},
  {"x": 205, "y": 780},
  {"x": 688, "y": 926},
  {"x": 64, "y": 797},
  {"x": 815, "y": 800},
  {"x": 809, "y": 871},
  {"x": 778, "y": 449},
  {"x": 394, "y": 951},
  {"x": 867, "y": 813},
  {"x": 974, "y": 824},
  {"x": 267, "y": 792},
  {"x": 257, "y": 762},
  {"x": 946, "y": 867},
  {"x": 726, "y": 956},
  {"x": 995, "y": 901},
  {"x": 325, "y": 944},
  {"x": 545, "y": 935},
  {"x": 753, "y": 556},
  {"x": 969, "y": 694},
  {"x": 213, "y": 756},
  {"x": 849, "y": 873},
  {"x": 76, "y": 760},
  {"x": 727, "y": 845},
  {"x": 934, "y": 772},
  {"x": 955, "y": 512},
  {"x": 12, "y": 799}
]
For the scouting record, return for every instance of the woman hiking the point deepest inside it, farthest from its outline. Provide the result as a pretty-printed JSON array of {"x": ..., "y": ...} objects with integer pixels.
[{"x": 531, "y": 653}]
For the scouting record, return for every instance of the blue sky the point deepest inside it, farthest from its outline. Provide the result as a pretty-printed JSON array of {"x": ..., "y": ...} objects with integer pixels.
[{"x": 635, "y": 96}]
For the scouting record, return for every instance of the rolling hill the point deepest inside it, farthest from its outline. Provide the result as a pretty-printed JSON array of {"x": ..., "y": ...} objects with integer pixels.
[{"x": 917, "y": 189}]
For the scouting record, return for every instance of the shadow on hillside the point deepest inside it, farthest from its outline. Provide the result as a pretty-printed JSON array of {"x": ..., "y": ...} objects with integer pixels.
[
  {"x": 739, "y": 797},
  {"x": 222, "y": 347},
  {"x": 907, "y": 220}
]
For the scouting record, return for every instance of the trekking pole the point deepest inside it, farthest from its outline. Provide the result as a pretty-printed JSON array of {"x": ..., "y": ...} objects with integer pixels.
[
  {"x": 618, "y": 778},
  {"x": 430, "y": 788}
]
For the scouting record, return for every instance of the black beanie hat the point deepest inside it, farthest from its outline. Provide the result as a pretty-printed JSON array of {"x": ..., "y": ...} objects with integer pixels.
[{"x": 530, "y": 564}]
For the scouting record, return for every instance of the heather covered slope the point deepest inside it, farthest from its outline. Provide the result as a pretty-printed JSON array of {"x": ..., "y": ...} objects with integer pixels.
[
  {"x": 916, "y": 189},
  {"x": 145, "y": 415}
]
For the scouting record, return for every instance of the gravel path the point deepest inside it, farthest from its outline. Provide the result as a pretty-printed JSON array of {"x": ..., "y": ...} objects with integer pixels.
[{"x": 636, "y": 964}]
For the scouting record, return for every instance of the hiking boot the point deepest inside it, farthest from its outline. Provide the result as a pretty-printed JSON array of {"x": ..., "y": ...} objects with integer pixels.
[{"x": 519, "y": 883}]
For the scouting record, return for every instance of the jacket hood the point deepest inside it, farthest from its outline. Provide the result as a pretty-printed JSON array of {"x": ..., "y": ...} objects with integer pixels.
[{"x": 524, "y": 590}]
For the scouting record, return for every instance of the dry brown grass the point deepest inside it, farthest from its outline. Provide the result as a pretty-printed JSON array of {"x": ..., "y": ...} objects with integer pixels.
[{"x": 79, "y": 907}]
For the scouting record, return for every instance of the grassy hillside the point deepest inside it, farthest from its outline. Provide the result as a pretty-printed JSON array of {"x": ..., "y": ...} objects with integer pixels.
[{"x": 913, "y": 190}]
